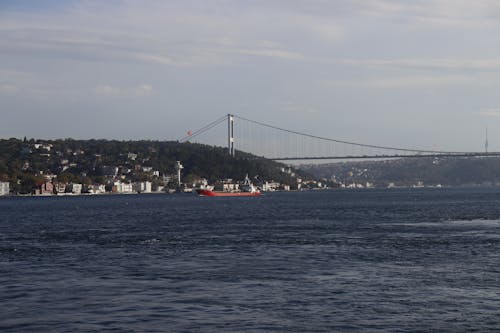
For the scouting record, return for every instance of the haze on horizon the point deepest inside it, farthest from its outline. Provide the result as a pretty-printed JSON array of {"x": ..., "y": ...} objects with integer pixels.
[{"x": 423, "y": 74}]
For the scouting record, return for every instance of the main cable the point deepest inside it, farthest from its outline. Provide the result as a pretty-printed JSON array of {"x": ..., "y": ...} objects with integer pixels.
[{"x": 346, "y": 142}]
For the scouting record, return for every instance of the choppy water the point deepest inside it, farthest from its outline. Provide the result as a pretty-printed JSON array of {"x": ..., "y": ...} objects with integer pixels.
[{"x": 335, "y": 261}]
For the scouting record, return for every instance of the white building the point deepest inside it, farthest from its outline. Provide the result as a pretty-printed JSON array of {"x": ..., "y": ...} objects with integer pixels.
[
  {"x": 74, "y": 188},
  {"x": 119, "y": 187},
  {"x": 97, "y": 189},
  {"x": 4, "y": 188},
  {"x": 270, "y": 186},
  {"x": 127, "y": 188},
  {"x": 45, "y": 146},
  {"x": 142, "y": 187}
]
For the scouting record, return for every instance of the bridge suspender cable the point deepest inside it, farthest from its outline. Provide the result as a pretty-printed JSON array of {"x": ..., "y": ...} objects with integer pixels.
[{"x": 350, "y": 142}]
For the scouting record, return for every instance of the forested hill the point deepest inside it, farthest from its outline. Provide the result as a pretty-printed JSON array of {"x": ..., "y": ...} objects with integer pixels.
[
  {"x": 23, "y": 162},
  {"x": 446, "y": 171}
]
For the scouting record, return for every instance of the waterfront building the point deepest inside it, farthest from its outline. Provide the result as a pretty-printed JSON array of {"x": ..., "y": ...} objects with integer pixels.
[
  {"x": 143, "y": 187},
  {"x": 127, "y": 188},
  {"x": 4, "y": 188},
  {"x": 97, "y": 189},
  {"x": 74, "y": 188},
  {"x": 46, "y": 188},
  {"x": 119, "y": 187},
  {"x": 60, "y": 188},
  {"x": 270, "y": 186}
]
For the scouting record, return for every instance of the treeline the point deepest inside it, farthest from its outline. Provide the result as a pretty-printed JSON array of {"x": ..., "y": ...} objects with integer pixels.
[
  {"x": 25, "y": 162},
  {"x": 446, "y": 171}
]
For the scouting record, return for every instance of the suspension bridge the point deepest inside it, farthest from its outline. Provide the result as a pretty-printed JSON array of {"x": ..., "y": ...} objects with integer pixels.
[{"x": 272, "y": 142}]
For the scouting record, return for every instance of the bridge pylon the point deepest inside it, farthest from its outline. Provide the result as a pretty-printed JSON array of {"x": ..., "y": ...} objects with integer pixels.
[{"x": 230, "y": 134}]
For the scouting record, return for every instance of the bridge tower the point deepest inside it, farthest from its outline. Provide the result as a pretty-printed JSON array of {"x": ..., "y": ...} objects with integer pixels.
[{"x": 230, "y": 134}]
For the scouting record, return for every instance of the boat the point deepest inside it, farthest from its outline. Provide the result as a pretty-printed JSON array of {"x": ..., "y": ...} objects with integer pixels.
[
  {"x": 212, "y": 193},
  {"x": 247, "y": 190}
]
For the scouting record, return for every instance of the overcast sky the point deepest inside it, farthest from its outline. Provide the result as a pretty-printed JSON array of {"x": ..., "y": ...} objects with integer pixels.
[{"x": 422, "y": 74}]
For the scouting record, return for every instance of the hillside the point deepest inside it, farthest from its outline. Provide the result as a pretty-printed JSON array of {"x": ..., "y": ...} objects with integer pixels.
[
  {"x": 25, "y": 162},
  {"x": 450, "y": 171}
]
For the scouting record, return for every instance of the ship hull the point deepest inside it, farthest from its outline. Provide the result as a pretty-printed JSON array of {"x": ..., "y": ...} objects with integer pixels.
[{"x": 209, "y": 193}]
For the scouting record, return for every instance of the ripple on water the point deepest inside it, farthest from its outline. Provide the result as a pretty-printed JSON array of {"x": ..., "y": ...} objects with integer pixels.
[{"x": 372, "y": 261}]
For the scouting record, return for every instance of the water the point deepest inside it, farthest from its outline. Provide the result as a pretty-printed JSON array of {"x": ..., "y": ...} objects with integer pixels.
[{"x": 332, "y": 261}]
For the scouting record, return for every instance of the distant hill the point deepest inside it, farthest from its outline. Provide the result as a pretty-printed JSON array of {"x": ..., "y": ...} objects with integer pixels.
[
  {"x": 25, "y": 162},
  {"x": 449, "y": 171}
]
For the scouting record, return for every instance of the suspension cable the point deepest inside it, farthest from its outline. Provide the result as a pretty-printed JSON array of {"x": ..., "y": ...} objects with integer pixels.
[
  {"x": 347, "y": 142},
  {"x": 204, "y": 129}
]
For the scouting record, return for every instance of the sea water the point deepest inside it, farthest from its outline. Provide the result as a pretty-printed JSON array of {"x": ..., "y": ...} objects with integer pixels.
[{"x": 405, "y": 260}]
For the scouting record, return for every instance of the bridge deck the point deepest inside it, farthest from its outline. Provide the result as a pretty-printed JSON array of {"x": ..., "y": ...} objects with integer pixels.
[{"x": 493, "y": 154}]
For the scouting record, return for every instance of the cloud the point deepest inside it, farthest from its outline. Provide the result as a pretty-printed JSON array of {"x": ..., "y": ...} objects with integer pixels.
[
  {"x": 431, "y": 13},
  {"x": 194, "y": 34},
  {"x": 16, "y": 82},
  {"x": 158, "y": 59},
  {"x": 442, "y": 64},
  {"x": 421, "y": 81},
  {"x": 291, "y": 108},
  {"x": 265, "y": 52},
  {"x": 348, "y": 53},
  {"x": 492, "y": 112},
  {"x": 161, "y": 33},
  {"x": 216, "y": 53},
  {"x": 404, "y": 81},
  {"x": 143, "y": 90},
  {"x": 108, "y": 90},
  {"x": 8, "y": 88}
]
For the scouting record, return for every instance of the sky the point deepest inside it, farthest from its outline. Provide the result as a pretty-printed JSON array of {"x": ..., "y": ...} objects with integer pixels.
[{"x": 420, "y": 74}]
